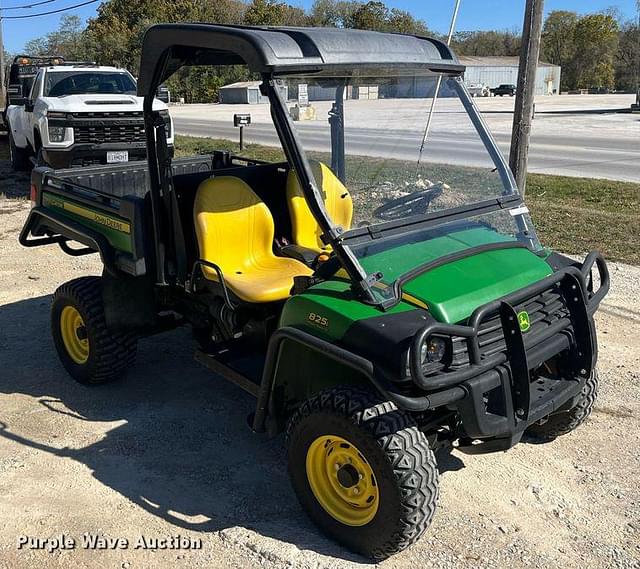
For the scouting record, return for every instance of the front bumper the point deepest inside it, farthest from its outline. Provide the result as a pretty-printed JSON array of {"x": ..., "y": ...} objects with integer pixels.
[
  {"x": 498, "y": 395},
  {"x": 91, "y": 154}
]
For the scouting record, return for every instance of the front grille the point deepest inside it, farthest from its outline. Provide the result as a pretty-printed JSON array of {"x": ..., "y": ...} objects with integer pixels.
[
  {"x": 544, "y": 310},
  {"x": 105, "y": 133},
  {"x": 107, "y": 115}
]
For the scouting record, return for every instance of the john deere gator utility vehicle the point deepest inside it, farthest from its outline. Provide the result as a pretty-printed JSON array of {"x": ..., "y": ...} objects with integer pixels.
[{"x": 379, "y": 287}]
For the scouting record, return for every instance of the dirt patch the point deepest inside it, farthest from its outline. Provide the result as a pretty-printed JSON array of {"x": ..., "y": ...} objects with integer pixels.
[{"x": 167, "y": 452}]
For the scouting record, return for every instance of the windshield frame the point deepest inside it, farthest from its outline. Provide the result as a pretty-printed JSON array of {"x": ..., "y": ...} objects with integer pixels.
[{"x": 341, "y": 241}]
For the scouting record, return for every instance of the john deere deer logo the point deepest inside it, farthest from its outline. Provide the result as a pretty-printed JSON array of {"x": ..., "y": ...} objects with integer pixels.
[{"x": 523, "y": 320}]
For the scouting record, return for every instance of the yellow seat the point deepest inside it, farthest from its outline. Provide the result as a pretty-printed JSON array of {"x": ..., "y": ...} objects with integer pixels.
[
  {"x": 235, "y": 231},
  {"x": 337, "y": 201}
]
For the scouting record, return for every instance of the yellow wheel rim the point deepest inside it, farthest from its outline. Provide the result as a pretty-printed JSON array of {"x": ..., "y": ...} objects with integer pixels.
[
  {"x": 74, "y": 335},
  {"x": 342, "y": 480}
]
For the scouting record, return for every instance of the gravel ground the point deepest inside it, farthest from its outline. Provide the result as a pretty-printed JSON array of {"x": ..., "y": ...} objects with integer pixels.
[{"x": 167, "y": 452}]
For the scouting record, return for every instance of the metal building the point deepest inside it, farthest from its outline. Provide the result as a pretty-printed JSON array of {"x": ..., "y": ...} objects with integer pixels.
[
  {"x": 494, "y": 71},
  {"x": 244, "y": 92}
]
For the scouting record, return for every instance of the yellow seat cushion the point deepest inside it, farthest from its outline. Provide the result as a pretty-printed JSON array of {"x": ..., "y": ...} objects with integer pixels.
[
  {"x": 304, "y": 228},
  {"x": 235, "y": 232}
]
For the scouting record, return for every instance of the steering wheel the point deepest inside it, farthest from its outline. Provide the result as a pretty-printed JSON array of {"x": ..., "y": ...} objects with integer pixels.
[{"x": 416, "y": 203}]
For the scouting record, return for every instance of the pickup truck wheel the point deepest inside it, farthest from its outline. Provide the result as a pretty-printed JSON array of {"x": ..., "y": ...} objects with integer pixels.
[
  {"x": 362, "y": 470},
  {"x": 89, "y": 351},
  {"x": 565, "y": 421},
  {"x": 19, "y": 156}
]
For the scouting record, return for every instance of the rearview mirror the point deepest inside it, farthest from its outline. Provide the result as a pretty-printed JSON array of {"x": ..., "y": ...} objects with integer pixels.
[{"x": 15, "y": 96}]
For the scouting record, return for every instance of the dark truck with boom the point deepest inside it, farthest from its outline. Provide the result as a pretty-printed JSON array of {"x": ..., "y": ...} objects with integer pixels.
[{"x": 381, "y": 298}]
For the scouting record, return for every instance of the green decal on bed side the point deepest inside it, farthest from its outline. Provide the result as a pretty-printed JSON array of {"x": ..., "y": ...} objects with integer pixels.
[{"x": 116, "y": 230}]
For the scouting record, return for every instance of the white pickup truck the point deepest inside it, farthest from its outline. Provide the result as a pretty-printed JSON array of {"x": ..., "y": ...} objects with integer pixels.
[{"x": 80, "y": 115}]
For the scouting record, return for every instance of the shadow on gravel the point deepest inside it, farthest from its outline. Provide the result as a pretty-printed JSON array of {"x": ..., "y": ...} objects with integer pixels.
[
  {"x": 12, "y": 184},
  {"x": 182, "y": 449}
]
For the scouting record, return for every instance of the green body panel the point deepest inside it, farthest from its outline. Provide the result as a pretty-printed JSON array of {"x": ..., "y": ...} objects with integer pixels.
[
  {"x": 454, "y": 290},
  {"x": 451, "y": 292},
  {"x": 328, "y": 309},
  {"x": 109, "y": 225}
]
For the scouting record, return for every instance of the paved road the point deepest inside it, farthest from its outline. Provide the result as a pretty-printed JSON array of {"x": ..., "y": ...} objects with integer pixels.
[{"x": 592, "y": 156}]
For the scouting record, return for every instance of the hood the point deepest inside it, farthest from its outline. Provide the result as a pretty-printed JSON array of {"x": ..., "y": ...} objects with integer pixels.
[
  {"x": 99, "y": 103},
  {"x": 453, "y": 291}
]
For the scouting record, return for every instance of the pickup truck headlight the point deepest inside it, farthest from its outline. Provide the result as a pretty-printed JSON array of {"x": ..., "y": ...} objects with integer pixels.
[{"x": 56, "y": 133}]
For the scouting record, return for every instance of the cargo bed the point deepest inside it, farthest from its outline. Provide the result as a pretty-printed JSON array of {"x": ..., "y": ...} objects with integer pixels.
[{"x": 107, "y": 209}]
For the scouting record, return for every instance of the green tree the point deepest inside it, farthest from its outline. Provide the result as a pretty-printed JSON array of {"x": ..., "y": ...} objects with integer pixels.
[
  {"x": 265, "y": 13},
  {"x": 332, "y": 13},
  {"x": 558, "y": 44},
  {"x": 373, "y": 15},
  {"x": 596, "y": 44},
  {"x": 68, "y": 40},
  {"x": 486, "y": 43},
  {"x": 627, "y": 64}
]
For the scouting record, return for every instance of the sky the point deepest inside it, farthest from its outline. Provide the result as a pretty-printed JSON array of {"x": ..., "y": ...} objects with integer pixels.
[{"x": 474, "y": 14}]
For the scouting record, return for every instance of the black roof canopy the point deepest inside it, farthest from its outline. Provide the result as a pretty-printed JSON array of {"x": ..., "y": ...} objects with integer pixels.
[{"x": 167, "y": 47}]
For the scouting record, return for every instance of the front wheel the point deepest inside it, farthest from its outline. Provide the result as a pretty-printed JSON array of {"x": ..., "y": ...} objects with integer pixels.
[
  {"x": 567, "y": 420},
  {"x": 362, "y": 470},
  {"x": 89, "y": 351},
  {"x": 19, "y": 156}
]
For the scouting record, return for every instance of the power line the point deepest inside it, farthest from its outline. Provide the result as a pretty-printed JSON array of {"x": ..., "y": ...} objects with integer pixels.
[
  {"x": 27, "y": 6},
  {"x": 49, "y": 12}
]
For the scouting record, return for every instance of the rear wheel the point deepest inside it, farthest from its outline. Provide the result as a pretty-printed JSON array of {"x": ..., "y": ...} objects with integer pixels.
[
  {"x": 89, "y": 351},
  {"x": 362, "y": 470},
  {"x": 567, "y": 420},
  {"x": 19, "y": 156}
]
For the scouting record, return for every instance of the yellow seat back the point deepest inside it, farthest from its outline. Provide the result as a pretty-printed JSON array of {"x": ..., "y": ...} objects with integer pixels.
[
  {"x": 233, "y": 225},
  {"x": 337, "y": 201}
]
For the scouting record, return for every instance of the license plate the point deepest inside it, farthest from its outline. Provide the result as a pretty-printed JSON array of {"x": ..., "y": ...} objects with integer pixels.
[{"x": 117, "y": 156}]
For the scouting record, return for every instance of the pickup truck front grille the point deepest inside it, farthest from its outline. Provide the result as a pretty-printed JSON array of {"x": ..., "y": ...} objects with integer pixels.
[
  {"x": 545, "y": 310},
  {"x": 105, "y": 133},
  {"x": 107, "y": 115}
]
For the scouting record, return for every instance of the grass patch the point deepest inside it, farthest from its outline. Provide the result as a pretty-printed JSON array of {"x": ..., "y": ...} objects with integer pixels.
[
  {"x": 190, "y": 145},
  {"x": 575, "y": 215}
]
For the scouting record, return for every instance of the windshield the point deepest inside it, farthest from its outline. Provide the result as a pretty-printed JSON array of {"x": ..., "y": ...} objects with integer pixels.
[
  {"x": 61, "y": 83},
  {"x": 372, "y": 133}
]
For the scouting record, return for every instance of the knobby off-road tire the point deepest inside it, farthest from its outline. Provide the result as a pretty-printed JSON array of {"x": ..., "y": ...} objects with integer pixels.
[
  {"x": 19, "y": 156},
  {"x": 89, "y": 351},
  {"x": 564, "y": 422},
  {"x": 399, "y": 468}
]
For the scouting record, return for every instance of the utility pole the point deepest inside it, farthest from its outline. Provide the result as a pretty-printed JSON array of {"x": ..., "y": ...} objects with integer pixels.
[
  {"x": 638, "y": 56},
  {"x": 1, "y": 54},
  {"x": 523, "y": 112}
]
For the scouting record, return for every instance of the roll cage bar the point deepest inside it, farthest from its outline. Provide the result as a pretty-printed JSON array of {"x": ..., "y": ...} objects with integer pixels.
[{"x": 275, "y": 52}]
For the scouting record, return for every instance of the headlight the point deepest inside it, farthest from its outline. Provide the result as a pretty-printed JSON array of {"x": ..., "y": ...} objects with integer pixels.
[
  {"x": 56, "y": 133},
  {"x": 433, "y": 350}
]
